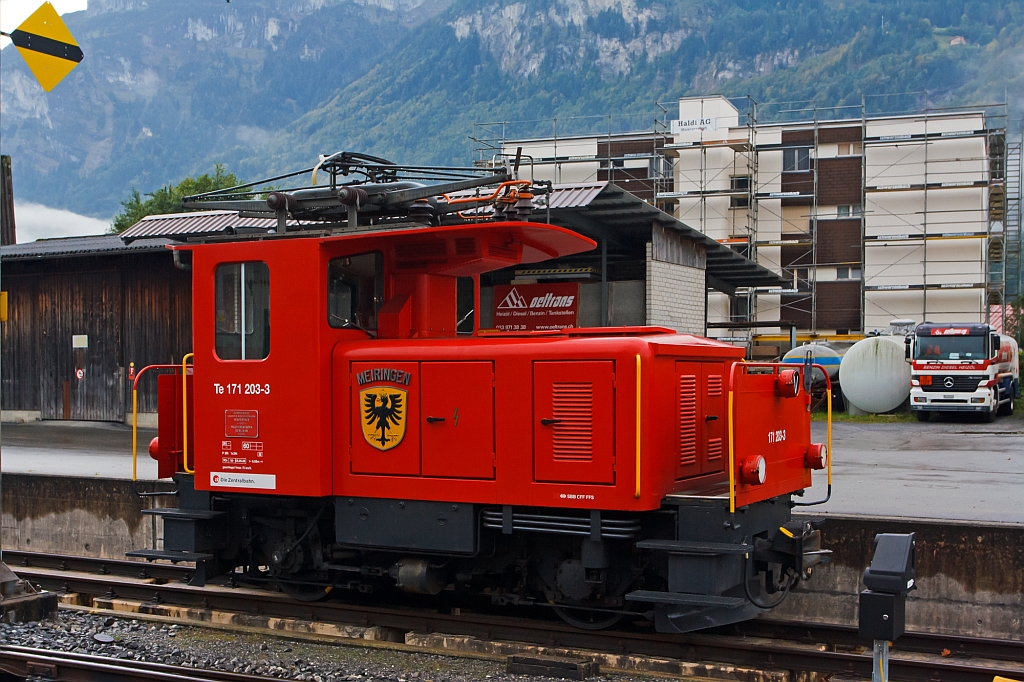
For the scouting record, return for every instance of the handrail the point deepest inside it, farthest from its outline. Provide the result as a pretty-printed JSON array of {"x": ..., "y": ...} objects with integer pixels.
[
  {"x": 184, "y": 412},
  {"x": 828, "y": 440},
  {"x": 480, "y": 200},
  {"x": 135, "y": 414},
  {"x": 638, "y": 394},
  {"x": 730, "y": 429},
  {"x": 732, "y": 456}
]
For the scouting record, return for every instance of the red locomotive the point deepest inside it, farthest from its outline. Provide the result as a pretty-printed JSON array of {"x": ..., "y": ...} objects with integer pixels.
[{"x": 341, "y": 433}]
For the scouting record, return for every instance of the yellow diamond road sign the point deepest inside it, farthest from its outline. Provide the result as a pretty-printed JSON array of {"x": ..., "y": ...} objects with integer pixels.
[{"x": 47, "y": 46}]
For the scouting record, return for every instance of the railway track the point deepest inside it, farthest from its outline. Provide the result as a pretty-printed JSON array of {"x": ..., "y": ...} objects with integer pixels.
[
  {"x": 761, "y": 644},
  {"x": 17, "y": 662}
]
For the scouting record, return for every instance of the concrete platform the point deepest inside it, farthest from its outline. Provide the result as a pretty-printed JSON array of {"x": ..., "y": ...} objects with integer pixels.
[
  {"x": 79, "y": 449},
  {"x": 955, "y": 469}
]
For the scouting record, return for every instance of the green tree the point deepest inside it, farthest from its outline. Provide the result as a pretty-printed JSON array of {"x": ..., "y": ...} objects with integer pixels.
[{"x": 168, "y": 199}]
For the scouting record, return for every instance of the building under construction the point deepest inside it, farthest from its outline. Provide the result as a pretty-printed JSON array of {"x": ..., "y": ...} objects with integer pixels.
[{"x": 869, "y": 216}]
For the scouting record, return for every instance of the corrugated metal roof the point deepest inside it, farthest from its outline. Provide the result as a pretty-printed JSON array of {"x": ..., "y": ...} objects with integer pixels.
[
  {"x": 603, "y": 209},
  {"x": 192, "y": 223},
  {"x": 70, "y": 247},
  {"x": 574, "y": 196}
]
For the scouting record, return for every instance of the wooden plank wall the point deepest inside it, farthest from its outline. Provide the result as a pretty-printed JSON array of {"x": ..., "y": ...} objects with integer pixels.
[
  {"x": 157, "y": 319},
  {"x": 20, "y": 340},
  {"x": 81, "y": 303},
  {"x": 133, "y": 307}
]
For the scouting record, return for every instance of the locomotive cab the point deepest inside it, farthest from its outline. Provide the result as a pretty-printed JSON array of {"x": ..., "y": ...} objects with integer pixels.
[{"x": 345, "y": 433}]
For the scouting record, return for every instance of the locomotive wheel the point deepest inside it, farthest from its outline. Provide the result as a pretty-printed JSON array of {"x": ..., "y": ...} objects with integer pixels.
[{"x": 588, "y": 619}]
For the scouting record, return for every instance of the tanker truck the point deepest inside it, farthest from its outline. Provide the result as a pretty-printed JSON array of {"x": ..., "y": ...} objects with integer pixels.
[{"x": 962, "y": 367}]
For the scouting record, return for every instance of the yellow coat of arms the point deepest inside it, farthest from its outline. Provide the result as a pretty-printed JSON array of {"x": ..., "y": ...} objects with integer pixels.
[{"x": 383, "y": 409}]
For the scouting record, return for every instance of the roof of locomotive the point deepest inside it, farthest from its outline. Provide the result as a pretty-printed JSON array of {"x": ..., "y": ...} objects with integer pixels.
[
  {"x": 539, "y": 241},
  {"x": 367, "y": 195}
]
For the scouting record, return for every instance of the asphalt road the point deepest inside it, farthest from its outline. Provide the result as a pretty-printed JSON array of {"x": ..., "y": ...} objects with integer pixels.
[
  {"x": 958, "y": 469},
  {"x": 954, "y": 469}
]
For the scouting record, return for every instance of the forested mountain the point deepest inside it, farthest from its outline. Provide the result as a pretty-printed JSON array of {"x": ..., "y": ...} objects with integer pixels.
[{"x": 171, "y": 87}]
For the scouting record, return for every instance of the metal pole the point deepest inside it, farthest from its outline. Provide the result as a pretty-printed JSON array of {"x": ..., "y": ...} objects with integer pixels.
[
  {"x": 792, "y": 336},
  {"x": 604, "y": 282},
  {"x": 241, "y": 285},
  {"x": 880, "y": 659}
]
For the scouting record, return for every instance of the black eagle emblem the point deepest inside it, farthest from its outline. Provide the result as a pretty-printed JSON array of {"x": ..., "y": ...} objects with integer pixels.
[{"x": 383, "y": 416}]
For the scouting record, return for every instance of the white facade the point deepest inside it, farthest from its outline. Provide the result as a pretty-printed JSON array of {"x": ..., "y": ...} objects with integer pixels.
[
  {"x": 911, "y": 192},
  {"x": 924, "y": 208}
]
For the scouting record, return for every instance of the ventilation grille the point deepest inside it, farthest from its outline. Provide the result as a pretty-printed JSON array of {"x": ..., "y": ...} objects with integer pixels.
[
  {"x": 714, "y": 385},
  {"x": 573, "y": 434},
  {"x": 961, "y": 382},
  {"x": 714, "y": 449},
  {"x": 687, "y": 419},
  {"x": 422, "y": 250}
]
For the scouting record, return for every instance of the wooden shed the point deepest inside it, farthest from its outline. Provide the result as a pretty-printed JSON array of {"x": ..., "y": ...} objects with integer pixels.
[{"x": 81, "y": 310}]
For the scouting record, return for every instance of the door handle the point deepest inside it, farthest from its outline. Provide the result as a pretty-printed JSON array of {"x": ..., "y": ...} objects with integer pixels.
[
  {"x": 710, "y": 417},
  {"x": 549, "y": 422},
  {"x": 431, "y": 420}
]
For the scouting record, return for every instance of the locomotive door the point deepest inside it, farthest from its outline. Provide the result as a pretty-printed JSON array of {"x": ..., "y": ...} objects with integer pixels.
[
  {"x": 574, "y": 421},
  {"x": 701, "y": 408},
  {"x": 457, "y": 419},
  {"x": 715, "y": 416}
]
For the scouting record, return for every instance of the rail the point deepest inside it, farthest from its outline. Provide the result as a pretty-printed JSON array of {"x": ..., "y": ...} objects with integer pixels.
[
  {"x": 31, "y": 663},
  {"x": 769, "y": 644}
]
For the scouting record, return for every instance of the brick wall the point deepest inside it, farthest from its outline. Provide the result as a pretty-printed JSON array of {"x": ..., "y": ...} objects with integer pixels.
[
  {"x": 838, "y": 241},
  {"x": 838, "y": 305},
  {"x": 839, "y": 181},
  {"x": 796, "y": 308},
  {"x": 675, "y": 295}
]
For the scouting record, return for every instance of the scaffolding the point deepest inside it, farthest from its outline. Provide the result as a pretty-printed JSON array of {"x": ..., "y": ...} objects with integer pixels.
[
  {"x": 927, "y": 180},
  {"x": 903, "y": 205},
  {"x": 1011, "y": 230},
  {"x": 494, "y": 142}
]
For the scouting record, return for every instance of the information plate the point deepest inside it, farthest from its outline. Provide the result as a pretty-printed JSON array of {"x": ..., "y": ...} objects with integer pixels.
[{"x": 241, "y": 423}]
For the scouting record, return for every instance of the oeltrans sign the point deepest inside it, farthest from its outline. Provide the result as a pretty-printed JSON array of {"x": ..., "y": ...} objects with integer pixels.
[{"x": 536, "y": 307}]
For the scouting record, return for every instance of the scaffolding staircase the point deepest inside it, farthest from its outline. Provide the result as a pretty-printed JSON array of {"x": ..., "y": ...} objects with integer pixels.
[{"x": 1012, "y": 223}]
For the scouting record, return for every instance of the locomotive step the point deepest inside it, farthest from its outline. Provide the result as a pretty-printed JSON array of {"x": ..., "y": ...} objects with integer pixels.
[
  {"x": 703, "y": 548},
  {"x": 169, "y": 555},
  {"x": 184, "y": 514},
  {"x": 683, "y": 599}
]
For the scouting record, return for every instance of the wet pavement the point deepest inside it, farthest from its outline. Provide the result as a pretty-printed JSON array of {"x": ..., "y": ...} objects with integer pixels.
[
  {"x": 88, "y": 449},
  {"x": 954, "y": 469}
]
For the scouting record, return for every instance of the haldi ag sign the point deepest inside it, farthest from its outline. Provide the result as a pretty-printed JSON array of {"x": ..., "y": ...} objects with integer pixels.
[{"x": 536, "y": 307}]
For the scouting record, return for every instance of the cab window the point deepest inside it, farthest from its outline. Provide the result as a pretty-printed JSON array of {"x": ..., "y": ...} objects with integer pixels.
[
  {"x": 355, "y": 291},
  {"x": 242, "y": 292}
]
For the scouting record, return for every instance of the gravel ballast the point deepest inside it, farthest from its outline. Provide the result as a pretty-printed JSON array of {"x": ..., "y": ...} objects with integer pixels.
[{"x": 202, "y": 648}]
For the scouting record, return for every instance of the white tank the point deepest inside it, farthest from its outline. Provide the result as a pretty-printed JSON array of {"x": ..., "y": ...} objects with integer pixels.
[
  {"x": 875, "y": 375},
  {"x": 822, "y": 355}
]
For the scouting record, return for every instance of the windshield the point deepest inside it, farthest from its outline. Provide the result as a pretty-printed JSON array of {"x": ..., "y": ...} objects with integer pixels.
[{"x": 950, "y": 348}]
